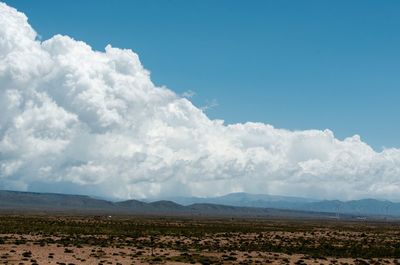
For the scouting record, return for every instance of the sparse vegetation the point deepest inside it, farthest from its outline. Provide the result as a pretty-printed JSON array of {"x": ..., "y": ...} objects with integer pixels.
[{"x": 196, "y": 241}]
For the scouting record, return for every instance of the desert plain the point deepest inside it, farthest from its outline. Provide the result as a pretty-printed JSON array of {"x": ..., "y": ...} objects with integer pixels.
[{"x": 68, "y": 240}]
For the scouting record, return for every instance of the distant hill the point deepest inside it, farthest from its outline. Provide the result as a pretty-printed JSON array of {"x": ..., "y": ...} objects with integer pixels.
[
  {"x": 365, "y": 207},
  {"x": 246, "y": 200},
  {"x": 29, "y": 202},
  {"x": 14, "y": 199},
  {"x": 235, "y": 204}
]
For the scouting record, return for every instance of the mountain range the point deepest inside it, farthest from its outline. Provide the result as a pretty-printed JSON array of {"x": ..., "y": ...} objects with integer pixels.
[
  {"x": 15, "y": 202},
  {"x": 233, "y": 205},
  {"x": 364, "y": 207}
]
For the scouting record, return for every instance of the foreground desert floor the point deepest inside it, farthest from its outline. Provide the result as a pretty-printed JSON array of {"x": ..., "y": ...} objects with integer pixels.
[{"x": 132, "y": 240}]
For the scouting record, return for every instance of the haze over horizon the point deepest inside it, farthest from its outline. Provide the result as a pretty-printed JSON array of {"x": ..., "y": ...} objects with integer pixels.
[{"x": 79, "y": 120}]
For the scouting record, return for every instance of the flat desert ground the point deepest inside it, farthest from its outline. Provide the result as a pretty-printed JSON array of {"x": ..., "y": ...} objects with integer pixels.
[{"x": 154, "y": 240}]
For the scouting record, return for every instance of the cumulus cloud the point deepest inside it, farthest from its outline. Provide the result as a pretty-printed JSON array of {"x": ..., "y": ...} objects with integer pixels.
[{"x": 73, "y": 119}]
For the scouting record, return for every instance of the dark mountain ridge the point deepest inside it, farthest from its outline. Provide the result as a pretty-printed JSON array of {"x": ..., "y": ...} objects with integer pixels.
[
  {"x": 237, "y": 204},
  {"x": 363, "y": 207},
  {"x": 30, "y": 202}
]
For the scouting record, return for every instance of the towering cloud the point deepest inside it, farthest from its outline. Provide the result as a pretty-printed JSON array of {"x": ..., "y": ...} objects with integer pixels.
[{"x": 77, "y": 120}]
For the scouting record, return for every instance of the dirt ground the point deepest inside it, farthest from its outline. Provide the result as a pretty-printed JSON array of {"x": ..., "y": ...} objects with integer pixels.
[
  {"x": 30, "y": 253},
  {"x": 68, "y": 241}
]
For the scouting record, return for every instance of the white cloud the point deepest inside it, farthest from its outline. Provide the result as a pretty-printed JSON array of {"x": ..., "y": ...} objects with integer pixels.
[
  {"x": 77, "y": 120},
  {"x": 188, "y": 94}
]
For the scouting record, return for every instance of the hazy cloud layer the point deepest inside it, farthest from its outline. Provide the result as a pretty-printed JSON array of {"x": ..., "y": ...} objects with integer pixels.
[{"x": 77, "y": 120}]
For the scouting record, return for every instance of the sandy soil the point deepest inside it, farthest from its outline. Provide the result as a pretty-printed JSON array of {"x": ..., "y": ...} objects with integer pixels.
[
  {"x": 64, "y": 240},
  {"x": 32, "y": 252}
]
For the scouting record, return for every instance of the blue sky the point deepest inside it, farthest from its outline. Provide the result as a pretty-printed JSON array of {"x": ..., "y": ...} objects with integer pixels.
[
  {"x": 78, "y": 121},
  {"x": 292, "y": 64}
]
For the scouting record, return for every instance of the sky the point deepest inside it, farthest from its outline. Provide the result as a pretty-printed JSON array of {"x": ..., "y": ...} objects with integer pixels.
[
  {"x": 160, "y": 98},
  {"x": 293, "y": 64}
]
